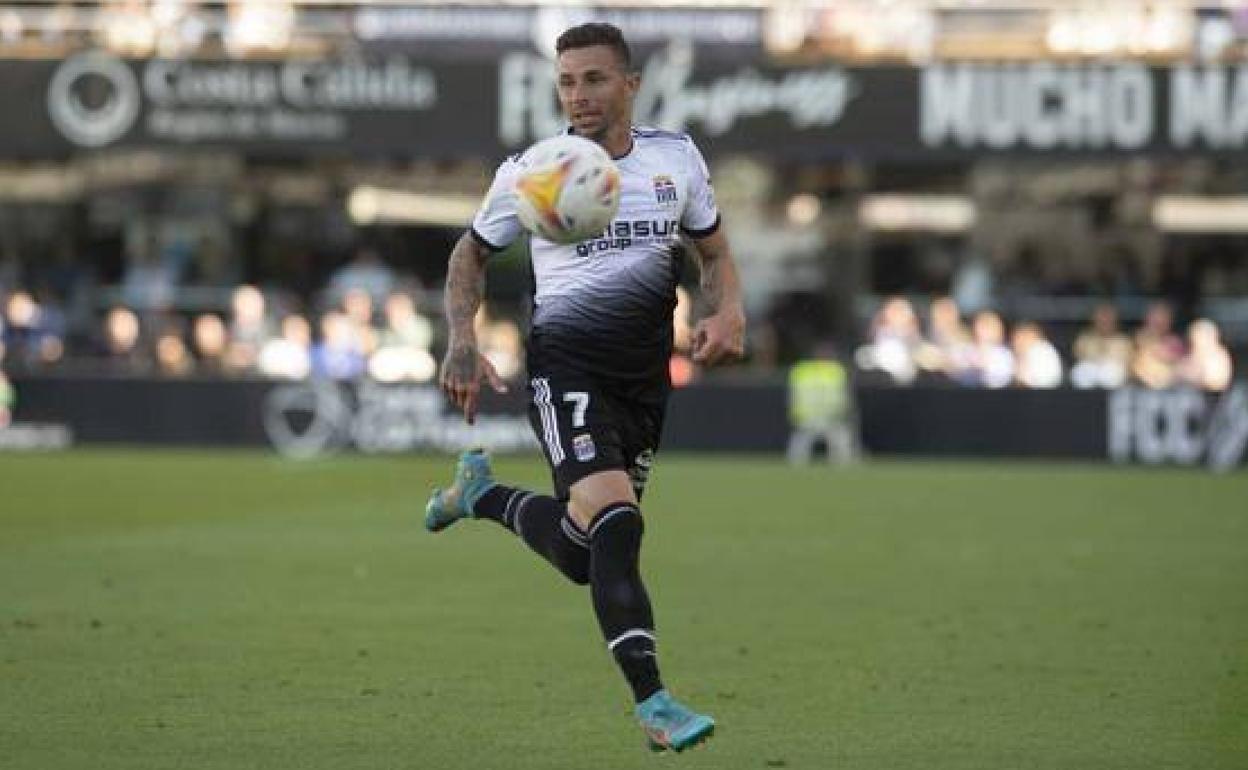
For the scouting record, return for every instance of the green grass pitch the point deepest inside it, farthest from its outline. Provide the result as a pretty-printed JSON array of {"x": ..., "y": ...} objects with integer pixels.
[{"x": 233, "y": 610}]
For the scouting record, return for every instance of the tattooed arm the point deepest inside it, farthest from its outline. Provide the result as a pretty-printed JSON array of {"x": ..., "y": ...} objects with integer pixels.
[
  {"x": 720, "y": 336},
  {"x": 464, "y": 367}
]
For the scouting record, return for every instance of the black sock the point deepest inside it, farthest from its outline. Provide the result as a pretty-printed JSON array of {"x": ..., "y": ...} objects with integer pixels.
[
  {"x": 620, "y": 599},
  {"x": 543, "y": 523}
]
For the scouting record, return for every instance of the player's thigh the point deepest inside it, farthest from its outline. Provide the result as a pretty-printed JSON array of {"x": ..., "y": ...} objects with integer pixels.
[
  {"x": 578, "y": 430},
  {"x": 596, "y": 492}
]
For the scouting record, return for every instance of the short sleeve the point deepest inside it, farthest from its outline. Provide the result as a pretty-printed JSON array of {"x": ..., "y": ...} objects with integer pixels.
[
  {"x": 701, "y": 216},
  {"x": 495, "y": 224}
]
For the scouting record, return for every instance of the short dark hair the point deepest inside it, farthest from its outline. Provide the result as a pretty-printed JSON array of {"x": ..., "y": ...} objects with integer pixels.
[{"x": 596, "y": 33}]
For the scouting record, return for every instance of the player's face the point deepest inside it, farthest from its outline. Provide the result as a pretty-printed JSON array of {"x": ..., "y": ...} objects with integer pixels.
[{"x": 595, "y": 91}]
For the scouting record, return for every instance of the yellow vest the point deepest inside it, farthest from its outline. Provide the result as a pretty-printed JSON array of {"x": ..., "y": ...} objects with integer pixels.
[{"x": 818, "y": 394}]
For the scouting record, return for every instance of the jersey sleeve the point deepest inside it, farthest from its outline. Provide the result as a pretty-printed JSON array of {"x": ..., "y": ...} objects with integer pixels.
[
  {"x": 495, "y": 226},
  {"x": 701, "y": 216}
]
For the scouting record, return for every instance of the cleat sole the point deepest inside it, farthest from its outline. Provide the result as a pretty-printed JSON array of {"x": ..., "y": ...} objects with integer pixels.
[
  {"x": 697, "y": 739},
  {"x": 693, "y": 741}
]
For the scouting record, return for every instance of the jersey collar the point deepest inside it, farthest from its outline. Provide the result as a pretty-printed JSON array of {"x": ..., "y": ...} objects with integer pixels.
[{"x": 632, "y": 142}]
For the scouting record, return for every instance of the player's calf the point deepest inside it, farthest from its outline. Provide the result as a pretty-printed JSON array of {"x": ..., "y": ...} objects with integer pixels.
[{"x": 541, "y": 521}]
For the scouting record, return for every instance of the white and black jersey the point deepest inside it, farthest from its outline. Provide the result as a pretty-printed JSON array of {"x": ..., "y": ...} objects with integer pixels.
[{"x": 604, "y": 306}]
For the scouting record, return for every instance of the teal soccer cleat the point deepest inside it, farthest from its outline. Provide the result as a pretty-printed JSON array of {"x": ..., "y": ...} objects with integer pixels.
[
  {"x": 669, "y": 724},
  {"x": 472, "y": 479}
]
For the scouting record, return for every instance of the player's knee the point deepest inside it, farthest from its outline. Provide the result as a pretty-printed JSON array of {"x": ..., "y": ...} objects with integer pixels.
[
  {"x": 597, "y": 493},
  {"x": 618, "y": 522}
]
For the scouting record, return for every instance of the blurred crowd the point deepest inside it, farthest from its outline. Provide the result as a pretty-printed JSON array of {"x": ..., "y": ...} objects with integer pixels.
[
  {"x": 365, "y": 323},
  {"x": 982, "y": 352},
  {"x": 368, "y": 321}
]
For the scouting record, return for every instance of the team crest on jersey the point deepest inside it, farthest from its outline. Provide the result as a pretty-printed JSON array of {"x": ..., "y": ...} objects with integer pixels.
[
  {"x": 583, "y": 447},
  {"x": 664, "y": 189}
]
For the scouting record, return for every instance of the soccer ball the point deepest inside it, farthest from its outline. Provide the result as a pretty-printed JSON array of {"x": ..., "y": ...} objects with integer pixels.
[{"x": 569, "y": 189}]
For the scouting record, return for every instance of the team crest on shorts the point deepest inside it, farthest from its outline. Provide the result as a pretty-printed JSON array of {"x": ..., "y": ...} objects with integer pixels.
[
  {"x": 583, "y": 447},
  {"x": 639, "y": 473}
]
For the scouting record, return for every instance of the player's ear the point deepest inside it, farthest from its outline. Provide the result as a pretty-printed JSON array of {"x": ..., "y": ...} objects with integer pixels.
[{"x": 632, "y": 79}]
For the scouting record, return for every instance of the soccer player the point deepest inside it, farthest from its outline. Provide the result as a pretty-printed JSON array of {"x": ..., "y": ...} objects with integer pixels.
[{"x": 598, "y": 354}]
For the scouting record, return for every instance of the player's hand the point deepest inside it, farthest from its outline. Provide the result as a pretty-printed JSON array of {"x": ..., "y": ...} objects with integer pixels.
[
  {"x": 720, "y": 337},
  {"x": 463, "y": 370}
]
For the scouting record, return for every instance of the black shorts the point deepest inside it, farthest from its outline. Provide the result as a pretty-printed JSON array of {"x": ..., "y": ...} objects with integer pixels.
[{"x": 586, "y": 425}]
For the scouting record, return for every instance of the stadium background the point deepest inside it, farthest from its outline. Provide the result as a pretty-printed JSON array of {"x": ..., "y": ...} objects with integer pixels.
[{"x": 225, "y": 225}]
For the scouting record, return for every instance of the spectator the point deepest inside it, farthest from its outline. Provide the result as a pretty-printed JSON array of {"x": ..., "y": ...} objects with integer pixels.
[
  {"x": 338, "y": 355},
  {"x": 357, "y": 304},
  {"x": 948, "y": 347},
  {"x": 991, "y": 362},
  {"x": 1038, "y": 363},
  {"x": 503, "y": 346},
  {"x": 1102, "y": 352},
  {"x": 249, "y": 328},
  {"x": 403, "y": 349},
  {"x": 211, "y": 344},
  {"x": 288, "y": 357},
  {"x": 366, "y": 272},
  {"x": 120, "y": 347},
  {"x": 1157, "y": 348},
  {"x": 895, "y": 341},
  {"x": 173, "y": 358},
  {"x": 52, "y": 326},
  {"x": 32, "y": 335},
  {"x": 1207, "y": 364}
]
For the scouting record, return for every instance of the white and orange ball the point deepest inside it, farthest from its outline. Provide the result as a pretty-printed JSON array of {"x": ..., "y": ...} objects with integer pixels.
[{"x": 569, "y": 189}]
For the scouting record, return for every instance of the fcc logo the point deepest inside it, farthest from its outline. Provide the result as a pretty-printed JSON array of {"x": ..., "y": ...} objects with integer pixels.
[{"x": 93, "y": 99}]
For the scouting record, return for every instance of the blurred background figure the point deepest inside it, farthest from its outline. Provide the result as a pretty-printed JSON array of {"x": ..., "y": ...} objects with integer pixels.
[
  {"x": 173, "y": 357},
  {"x": 1037, "y": 361},
  {"x": 211, "y": 340},
  {"x": 289, "y": 355},
  {"x": 1207, "y": 364},
  {"x": 338, "y": 355},
  {"x": 1157, "y": 348},
  {"x": 120, "y": 347},
  {"x": 1102, "y": 352},
  {"x": 947, "y": 349},
  {"x": 403, "y": 352},
  {"x": 503, "y": 346},
  {"x": 991, "y": 363},
  {"x": 33, "y": 333},
  {"x": 501, "y": 342},
  {"x": 357, "y": 307},
  {"x": 895, "y": 341},
  {"x": 821, "y": 411},
  {"x": 365, "y": 272},
  {"x": 249, "y": 328}
]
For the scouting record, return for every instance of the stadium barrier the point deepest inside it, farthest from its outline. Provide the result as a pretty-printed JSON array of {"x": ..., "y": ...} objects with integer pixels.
[{"x": 304, "y": 419}]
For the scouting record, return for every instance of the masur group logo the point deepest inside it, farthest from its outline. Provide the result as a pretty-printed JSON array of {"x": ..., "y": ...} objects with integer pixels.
[{"x": 93, "y": 99}]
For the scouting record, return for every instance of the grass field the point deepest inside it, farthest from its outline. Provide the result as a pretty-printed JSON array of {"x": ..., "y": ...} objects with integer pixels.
[{"x": 232, "y": 610}]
